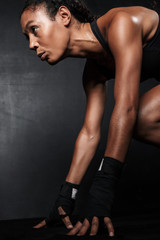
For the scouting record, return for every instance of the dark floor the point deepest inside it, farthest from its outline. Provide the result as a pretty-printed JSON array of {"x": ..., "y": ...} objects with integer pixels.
[{"x": 129, "y": 227}]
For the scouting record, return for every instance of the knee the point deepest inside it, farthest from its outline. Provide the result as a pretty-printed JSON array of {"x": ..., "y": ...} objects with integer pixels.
[{"x": 146, "y": 123}]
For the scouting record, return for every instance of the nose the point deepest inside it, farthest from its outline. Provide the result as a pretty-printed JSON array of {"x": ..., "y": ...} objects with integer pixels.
[{"x": 33, "y": 44}]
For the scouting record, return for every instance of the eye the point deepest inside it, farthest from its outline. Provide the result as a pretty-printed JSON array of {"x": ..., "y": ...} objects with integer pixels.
[{"x": 34, "y": 29}]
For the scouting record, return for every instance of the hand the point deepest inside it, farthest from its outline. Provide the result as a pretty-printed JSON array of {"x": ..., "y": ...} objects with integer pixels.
[
  {"x": 42, "y": 224},
  {"x": 82, "y": 228},
  {"x": 65, "y": 220}
]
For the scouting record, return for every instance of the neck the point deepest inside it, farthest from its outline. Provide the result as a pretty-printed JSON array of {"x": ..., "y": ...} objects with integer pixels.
[{"x": 82, "y": 42}]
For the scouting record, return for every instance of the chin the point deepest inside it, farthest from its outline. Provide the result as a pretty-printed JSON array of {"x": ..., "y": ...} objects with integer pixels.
[{"x": 53, "y": 61}]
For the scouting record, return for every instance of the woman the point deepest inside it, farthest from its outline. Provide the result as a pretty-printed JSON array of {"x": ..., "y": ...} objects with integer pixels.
[{"x": 124, "y": 43}]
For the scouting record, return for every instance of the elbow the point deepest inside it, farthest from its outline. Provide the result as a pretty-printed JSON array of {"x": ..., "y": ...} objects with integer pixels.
[
  {"x": 129, "y": 111},
  {"x": 91, "y": 134},
  {"x": 132, "y": 113},
  {"x": 132, "y": 110}
]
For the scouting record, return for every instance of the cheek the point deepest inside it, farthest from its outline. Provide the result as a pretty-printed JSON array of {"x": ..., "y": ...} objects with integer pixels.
[
  {"x": 58, "y": 46},
  {"x": 55, "y": 42},
  {"x": 58, "y": 38}
]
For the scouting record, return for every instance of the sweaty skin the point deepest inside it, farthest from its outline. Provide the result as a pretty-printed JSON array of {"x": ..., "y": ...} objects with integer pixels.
[{"x": 127, "y": 30}]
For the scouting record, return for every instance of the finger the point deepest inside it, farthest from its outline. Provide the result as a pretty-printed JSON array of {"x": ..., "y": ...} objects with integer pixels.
[
  {"x": 65, "y": 220},
  {"x": 84, "y": 228},
  {"x": 94, "y": 227},
  {"x": 75, "y": 229},
  {"x": 41, "y": 225},
  {"x": 109, "y": 226}
]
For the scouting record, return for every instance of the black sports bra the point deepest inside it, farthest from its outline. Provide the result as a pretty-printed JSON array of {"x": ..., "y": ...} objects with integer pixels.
[
  {"x": 104, "y": 44},
  {"x": 151, "y": 53}
]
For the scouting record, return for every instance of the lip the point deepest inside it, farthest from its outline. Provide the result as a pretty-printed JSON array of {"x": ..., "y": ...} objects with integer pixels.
[{"x": 42, "y": 56}]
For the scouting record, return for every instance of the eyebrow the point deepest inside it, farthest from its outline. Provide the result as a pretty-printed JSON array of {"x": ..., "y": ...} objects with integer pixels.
[{"x": 28, "y": 23}]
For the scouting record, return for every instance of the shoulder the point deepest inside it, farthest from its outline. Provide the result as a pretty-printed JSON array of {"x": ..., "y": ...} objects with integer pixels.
[
  {"x": 119, "y": 24},
  {"x": 121, "y": 18},
  {"x": 122, "y": 27},
  {"x": 116, "y": 16},
  {"x": 127, "y": 21},
  {"x": 123, "y": 31}
]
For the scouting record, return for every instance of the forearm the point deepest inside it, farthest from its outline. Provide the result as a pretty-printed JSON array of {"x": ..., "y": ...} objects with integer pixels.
[
  {"x": 85, "y": 148},
  {"x": 120, "y": 133}
]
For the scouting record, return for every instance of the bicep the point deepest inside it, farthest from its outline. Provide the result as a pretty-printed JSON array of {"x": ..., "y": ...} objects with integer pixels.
[
  {"x": 127, "y": 77},
  {"x": 126, "y": 46}
]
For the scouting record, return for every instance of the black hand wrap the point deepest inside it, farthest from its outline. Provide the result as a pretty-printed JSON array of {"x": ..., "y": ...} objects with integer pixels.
[
  {"x": 101, "y": 195},
  {"x": 66, "y": 200}
]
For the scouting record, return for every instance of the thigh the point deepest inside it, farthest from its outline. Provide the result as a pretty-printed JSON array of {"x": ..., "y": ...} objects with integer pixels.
[{"x": 149, "y": 106}]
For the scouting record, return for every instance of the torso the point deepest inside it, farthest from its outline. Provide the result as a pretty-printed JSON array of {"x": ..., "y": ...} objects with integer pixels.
[{"x": 147, "y": 20}]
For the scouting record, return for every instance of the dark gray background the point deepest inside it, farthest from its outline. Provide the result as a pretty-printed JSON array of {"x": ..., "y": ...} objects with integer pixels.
[{"x": 41, "y": 112}]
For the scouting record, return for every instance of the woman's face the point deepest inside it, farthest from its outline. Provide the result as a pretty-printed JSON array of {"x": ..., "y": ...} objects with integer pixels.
[{"x": 49, "y": 38}]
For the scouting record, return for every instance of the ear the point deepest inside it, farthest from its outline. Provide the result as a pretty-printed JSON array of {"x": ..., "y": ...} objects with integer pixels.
[{"x": 65, "y": 15}]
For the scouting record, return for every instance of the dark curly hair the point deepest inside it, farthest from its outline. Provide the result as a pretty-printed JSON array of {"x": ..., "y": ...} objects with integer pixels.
[
  {"x": 154, "y": 4},
  {"x": 77, "y": 8}
]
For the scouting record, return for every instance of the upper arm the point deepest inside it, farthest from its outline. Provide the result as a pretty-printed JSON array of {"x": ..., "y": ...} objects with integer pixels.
[
  {"x": 95, "y": 89},
  {"x": 125, "y": 41}
]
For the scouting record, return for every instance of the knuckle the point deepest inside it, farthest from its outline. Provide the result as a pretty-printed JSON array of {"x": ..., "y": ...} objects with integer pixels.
[
  {"x": 78, "y": 228},
  {"x": 95, "y": 220},
  {"x": 67, "y": 223},
  {"x": 107, "y": 220},
  {"x": 110, "y": 227},
  {"x": 85, "y": 224},
  {"x": 94, "y": 223},
  {"x": 74, "y": 231},
  {"x": 82, "y": 232},
  {"x": 61, "y": 211}
]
